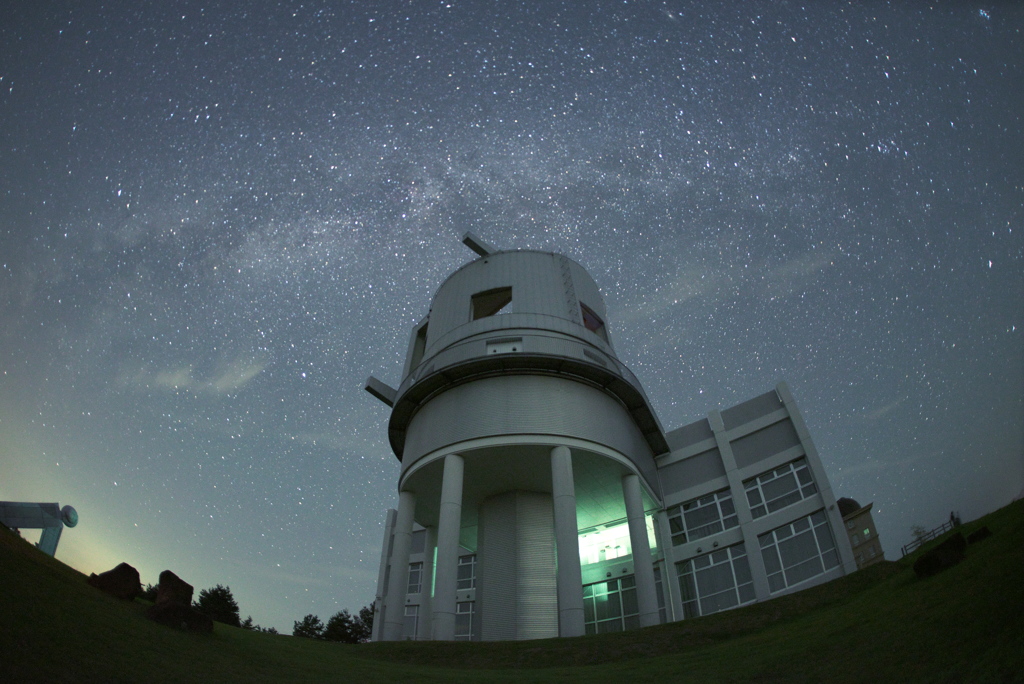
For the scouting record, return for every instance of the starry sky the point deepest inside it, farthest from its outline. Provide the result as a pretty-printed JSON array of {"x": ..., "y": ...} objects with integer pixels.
[{"x": 217, "y": 219}]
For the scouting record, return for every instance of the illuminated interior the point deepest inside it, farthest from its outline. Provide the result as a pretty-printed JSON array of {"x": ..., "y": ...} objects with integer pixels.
[{"x": 611, "y": 541}]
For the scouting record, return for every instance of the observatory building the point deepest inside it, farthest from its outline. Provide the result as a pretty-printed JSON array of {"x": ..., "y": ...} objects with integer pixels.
[{"x": 539, "y": 495}]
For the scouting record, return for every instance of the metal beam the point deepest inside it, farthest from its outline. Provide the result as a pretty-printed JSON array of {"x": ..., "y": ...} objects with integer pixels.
[{"x": 382, "y": 391}]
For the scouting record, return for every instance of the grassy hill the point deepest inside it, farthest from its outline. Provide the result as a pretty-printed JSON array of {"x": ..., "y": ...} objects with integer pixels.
[{"x": 882, "y": 624}]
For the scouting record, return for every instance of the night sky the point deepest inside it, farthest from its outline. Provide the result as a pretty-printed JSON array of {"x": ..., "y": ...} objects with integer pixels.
[{"x": 216, "y": 220}]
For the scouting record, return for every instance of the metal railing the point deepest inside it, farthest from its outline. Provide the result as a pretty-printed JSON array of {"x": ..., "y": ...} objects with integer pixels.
[{"x": 928, "y": 536}]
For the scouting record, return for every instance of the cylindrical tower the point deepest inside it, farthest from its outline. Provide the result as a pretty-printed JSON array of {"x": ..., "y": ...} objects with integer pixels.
[{"x": 525, "y": 441}]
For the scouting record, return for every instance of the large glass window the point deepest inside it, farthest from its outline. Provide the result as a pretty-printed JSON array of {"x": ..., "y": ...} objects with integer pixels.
[
  {"x": 799, "y": 551},
  {"x": 715, "y": 581},
  {"x": 466, "y": 572},
  {"x": 611, "y": 606},
  {"x": 465, "y": 612},
  {"x": 415, "y": 578},
  {"x": 611, "y": 541},
  {"x": 411, "y": 622},
  {"x": 779, "y": 488},
  {"x": 702, "y": 517}
]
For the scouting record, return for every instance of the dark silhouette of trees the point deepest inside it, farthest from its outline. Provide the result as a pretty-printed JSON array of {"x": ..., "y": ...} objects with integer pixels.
[
  {"x": 342, "y": 627},
  {"x": 365, "y": 624},
  {"x": 339, "y": 628},
  {"x": 219, "y": 604},
  {"x": 248, "y": 623},
  {"x": 310, "y": 627},
  {"x": 149, "y": 593}
]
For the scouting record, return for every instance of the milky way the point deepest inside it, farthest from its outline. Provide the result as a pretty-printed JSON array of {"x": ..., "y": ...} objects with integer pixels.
[{"x": 217, "y": 219}]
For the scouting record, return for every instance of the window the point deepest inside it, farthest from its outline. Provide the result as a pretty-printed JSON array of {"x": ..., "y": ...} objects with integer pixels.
[
  {"x": 715, "y": 581},
  {"x": 779, "y": 488},
  {"x": 702, "y": 517},
  {"x": 411, "y": 622},
  {"x": 419, "y": 345},
  {"x": 464, "y": 614},
  {"x": 849, "y": 525},
  {"x": 659, "y": 591},
  {"x": 855, "y": 539},
  {"x": 466, "y": 577},
  {"x": 867, "y": 532},
  {"x": 415, "y": 578},
  {"x": 593, "y": 322},
  {"x": 797, "y": 552},
  {"x": 491, "y": 302},
  {"x": 611, "y": 606},
  {"x": 872, "y": 551}
]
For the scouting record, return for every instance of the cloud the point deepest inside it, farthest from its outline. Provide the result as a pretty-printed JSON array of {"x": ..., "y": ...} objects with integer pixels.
[
  {"x": 876, "y": 413},
  {"x": 713, "y": 286},
  {"x": 794, "y": 275},
  {"x": 230, "y": 377}
]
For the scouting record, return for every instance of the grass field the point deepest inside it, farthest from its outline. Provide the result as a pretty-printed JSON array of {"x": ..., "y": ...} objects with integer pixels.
[{"x": 878, "y": 625}]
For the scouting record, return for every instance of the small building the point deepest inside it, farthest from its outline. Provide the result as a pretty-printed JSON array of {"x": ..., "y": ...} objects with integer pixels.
[
  {"x": 860, "y": 527},
  {"x": 539, "y": 495}
]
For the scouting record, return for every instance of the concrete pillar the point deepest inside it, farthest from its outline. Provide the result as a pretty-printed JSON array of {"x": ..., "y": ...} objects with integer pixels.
[
  {"x": 446, "y": 571},
  {"x": 567, "y": 545},
  {"x": 743, "y": 514},
  {"x": 398, "y": 580},
  {"x": 643, "y": 568}
]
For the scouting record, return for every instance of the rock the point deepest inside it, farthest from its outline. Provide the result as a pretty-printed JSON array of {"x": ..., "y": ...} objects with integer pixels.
[
  {"x": 173, "y": 590},
  {"x": 173, "y": 606},
  {"x": 979, "y": 534},
  {"x": 180, "y": 617},
  {"x": 945, "y": 555},
  {"x": 122, "y": 582}
]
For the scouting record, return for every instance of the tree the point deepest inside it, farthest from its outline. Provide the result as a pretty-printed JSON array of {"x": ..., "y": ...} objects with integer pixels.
[
  {"x": 149, "y": 593},
  {"x": 348, "y": 628},
  {"x": 340, "y": 628},
  {"x": 219, "y": 604},
  {"x": 918, "y": 532},
  {"x": 310, "y": 627},
  {"x": 247, "y": 623},
  {"x": 365, "y": 621}
]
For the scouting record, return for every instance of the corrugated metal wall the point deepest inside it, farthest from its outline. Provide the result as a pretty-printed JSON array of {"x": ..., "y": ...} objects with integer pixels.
[
  {"x": 536, "y": 581},
  {"x": 525, "y": 404},
  {"x": 516, "y": 583}
]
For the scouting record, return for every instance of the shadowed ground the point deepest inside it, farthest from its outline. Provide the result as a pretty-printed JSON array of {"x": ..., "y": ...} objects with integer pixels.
[{"x": 880, "y": 624}]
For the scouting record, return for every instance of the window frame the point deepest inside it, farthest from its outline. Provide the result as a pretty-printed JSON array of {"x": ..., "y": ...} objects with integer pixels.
[
  {"x": 754, "y": 488},
  {"x": 677, "y": 521},
  {"x": 417, "y": 570},
  {"x": 464, "y": 583},
  {"x": 688, "y": 579},
  {"x": 772, "y": 550}
]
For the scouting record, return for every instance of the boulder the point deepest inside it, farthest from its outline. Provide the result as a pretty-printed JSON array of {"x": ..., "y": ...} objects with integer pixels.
[
  {"x": 122, "y": 582},
  {"x": 173, "y": 606},
  {"x": 173, "y": 590},
  {"x": 945, "y": 555},
  {"x": 180, "y": 617},
  {"x": 979, "y": 534}
]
